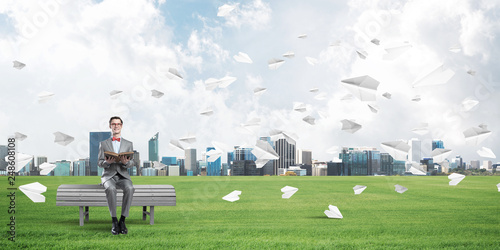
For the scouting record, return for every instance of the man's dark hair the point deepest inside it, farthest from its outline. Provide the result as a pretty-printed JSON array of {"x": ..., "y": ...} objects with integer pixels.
[{"x": 115, "y": 117}]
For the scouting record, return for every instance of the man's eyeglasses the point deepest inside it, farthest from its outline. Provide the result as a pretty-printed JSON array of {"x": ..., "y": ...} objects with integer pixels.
[{"x": 116, "y": 124}]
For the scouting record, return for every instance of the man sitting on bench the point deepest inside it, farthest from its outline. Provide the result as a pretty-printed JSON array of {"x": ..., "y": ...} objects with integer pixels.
[{"x": 115, "y": 173}]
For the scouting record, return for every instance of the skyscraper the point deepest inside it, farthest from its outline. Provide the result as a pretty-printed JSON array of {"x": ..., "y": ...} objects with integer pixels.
[
  {"x": 95, "y": 139},
  {"x": 3, "y": 153},
  {"x": 415, "y": 154},
  {"x": 190, "y": 162},
  {"x": 304, "y": 157},
  {"x": 286, "y": 152},
  {"x": 153, "y": 148},
  {"x": 213, "y": 168},
  {"x": 437, "y": 144}
]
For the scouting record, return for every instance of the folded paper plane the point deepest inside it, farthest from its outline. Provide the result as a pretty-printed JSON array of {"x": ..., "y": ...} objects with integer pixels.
[
  {"x": 264, "y": 152},
  {"x": 45, "y": 168},
  {"x": 275, "y": 63},
  {"x": 333, "y": 212},
  {"x": 395, "y": 52},
  {"x": 242, "y": 58},
  {"x": 176, "y": 144},
  {"x": 156, "y": 93},
  {"x": 44, "y": 96},
  {"x": 309, "y": 119},
  {"x": 34, "y": 191},
  {"x": 213, "y": 155},
  {"x": 299, "y": 106},
  {"x": 373, "y": 108},
  {"x": 158, "y": 165},
  {"x": 233, "y": 196},
  {"x": 174, "y": 74},
  {"x": 362, "y": 54},
  {"x": 498, "y": 186},
  {"x": 375, "y": 41},
  {"x": 397, "y": 149},
  {"x": 320, "y": 96},
  {"x": 363, "y": 87},
  {"x": 115, "y": 93},
  {"x": 468, "y": 104},
  {"x": 313, "y": 90},
  {"x": 422, "y": 129},
  {"x": 347, "y": 97},
  {"x": 279, "y": 134},
  {"x": 208, "y": 111},
  {"x": 416, "y": 169},
  {"x": 62, "y": 138},
  {"x": 302, "y": 36},
  {"x": 455, "y": 49},
  {"x": 18, "y": 65},
  {"x": 387, "y": 95},
  {"x": 288, "y": 192},
  {"x": 416, "y": 98},
  {"x": 21, "y": 160},
  {"x": 225, "y": 9},
  {"x": 400, "y": 189},
  {"x": 259, "y": 91},
  {"x": 358, "y": 189},
  {"x": 486, "y": 152},
  {"x": 212, "y": 83},
  {"x": 474, "y": 136},
  {"x": 440, "y": 154},
  {"x": 20, "y": 136},
  {"x": 190, "y": 138},
  {"x": 350, "y": 126},
  {"x": 455, "y": 178},
  {"x": 312, "y": 61},
  {"x": 471, "y": 72},
  {"x": 438, "y": 76},
  {"x": 289, "y": 54}
]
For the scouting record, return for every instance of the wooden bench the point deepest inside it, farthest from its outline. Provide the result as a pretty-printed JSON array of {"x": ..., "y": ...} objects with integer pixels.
[{"x": 85, "y": 196}]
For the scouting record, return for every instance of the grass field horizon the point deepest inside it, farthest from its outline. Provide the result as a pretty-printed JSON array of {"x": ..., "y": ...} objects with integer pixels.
[{"x": 431, "y": 214}]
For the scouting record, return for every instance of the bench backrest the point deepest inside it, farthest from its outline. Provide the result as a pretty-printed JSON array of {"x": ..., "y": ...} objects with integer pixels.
[{"x": 93, "y": 195}]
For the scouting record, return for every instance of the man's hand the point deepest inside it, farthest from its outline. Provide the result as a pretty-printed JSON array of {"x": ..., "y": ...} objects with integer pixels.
[
  {"x": 109, "y": 159},
  {"x": 124, "y": 159}
]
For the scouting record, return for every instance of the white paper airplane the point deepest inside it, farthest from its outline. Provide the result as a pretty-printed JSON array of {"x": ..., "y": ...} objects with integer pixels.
[
  {"x": 347, "y": 97},
  {"x": 486, "y": 152},
  {"x": 395, "y": 52},
  {"x": 400, "y": 189},
  {"x": 212, "y": 83},
  {"x": 115, "y": 93},
  {"x": 397, "y": 149},
  {"x": 21, "y": 160},
  {"x": 279, "y": 134},
  {"x": 225, "y": 9},
  {"x": 375, "y": 41},
  {"x": 309, "y": 119},
  {"x": 416, "y": 98},
  {"x": 350, "y": 126},
  {"x": 363, "y": 87},
  {"x": 156, "y": 93},
  {"x": 474, "y": 136},
  {"x": 374, "y": 108},
  {"x": 471, "y": 72},
  {"x": 362, "y": 54},
  {"x": 313, "y": 90},
  {"x": 358, "y": 189},
  {"x": 44, "y": 96},
  {"x": 288, "y": 192},
  {"x": 320, "y": 96},
  {"x": 415, "y": 169},
  {"x": 62, "y": 138},
  {"x": 34, "y": 191},
  {"x": 422, "y": 129},
  {"x": 190, "y": 138},
  {"x": 468, "y": 104},
  {"x": 312, "y": 61},
  {"x": 174, "y": 74},
  {"x": 455, "y": 178},
  {"x": 242, "y": 58},
  {"x": 176, "y": 144},
  {"x": 455, "y": 49},
  {"x": 259, "y": 91},
  {"x": 299, "y": 107},
  {"x": 302, "y": 36},
  {"x": 158, "y": 165},
  {"x": 264, "y": 152},
  {"x": 498, "y": 186},
  {"x": 289, "y": 54},
  {"x": 440, "y": 154},
  {"x": 20, "y": 136},
  {"x": 208, "y": 111},
  {"x": 233, "y": 196},
  {"x": 275, "y": 63},
  {"x": 333, "y": 212},
  {"x": 387, "y": 95},
  {"x": 45, "y": 168},
  {"x": 18, "y": 65},
  {"x": 438, "y": 76}
]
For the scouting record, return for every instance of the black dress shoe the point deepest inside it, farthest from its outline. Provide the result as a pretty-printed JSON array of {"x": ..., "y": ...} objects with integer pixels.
[
  {"x": 116, "y": 228},
  {"x": 123, "y": 228}
]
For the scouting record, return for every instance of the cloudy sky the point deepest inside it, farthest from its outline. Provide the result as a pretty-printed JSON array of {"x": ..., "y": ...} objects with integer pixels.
[{"x": 82, "y": 50}]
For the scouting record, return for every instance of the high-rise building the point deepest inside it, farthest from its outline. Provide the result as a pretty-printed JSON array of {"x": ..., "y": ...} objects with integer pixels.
[
  {"x": 437, "y": 144},
  {"x": 39, "y": 161},
  {"x": 190, "y": 162},
  {"x": 286, "y": 152},
  {"x": 182, "y": 167},
  {"x": 475, "y": 164},
  {"x": 243, "y": 154},
  {"x": 244, "y": 167},
  {"x": 214, "y": 167},
  {"x": 169, "y": 160},
  {"x": 415, "y": 154},
  {"x": 80, "y": 167},
  {"x": 137, "y": 161},
  {"x": 95, "y": 139},
  {"x": 63, "y": 168},
  {"x": 3, "y": 153},
  {"x": 153, "y": 148},
  {"x": 303, "y": 157},
  {"x": 429, "y": 165}
]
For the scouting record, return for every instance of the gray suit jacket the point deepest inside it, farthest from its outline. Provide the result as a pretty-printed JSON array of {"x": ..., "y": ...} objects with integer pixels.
[{"x": 111, "y": 169}]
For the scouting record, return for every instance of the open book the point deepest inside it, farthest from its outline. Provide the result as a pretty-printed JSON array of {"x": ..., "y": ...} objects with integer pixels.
[{"x": 129, "y": 155}]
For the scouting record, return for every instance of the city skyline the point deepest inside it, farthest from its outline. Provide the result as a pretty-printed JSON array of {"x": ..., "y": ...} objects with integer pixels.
[{"x": 84, "y": 51}]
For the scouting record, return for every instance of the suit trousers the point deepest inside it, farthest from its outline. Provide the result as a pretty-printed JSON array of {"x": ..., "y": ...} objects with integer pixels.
[{"x": 118, "y": 181}]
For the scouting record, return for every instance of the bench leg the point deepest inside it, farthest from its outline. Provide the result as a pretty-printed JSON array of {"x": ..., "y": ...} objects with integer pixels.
[
  {"x": 144, "y": 212},
  {"x": 86, "y": 213},
  {"x": 81, "y": 215},
  {"x": 152, "y": 215}
]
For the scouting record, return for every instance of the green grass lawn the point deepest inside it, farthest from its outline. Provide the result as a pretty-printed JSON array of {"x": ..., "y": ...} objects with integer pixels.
[{"x": 431, "y": 214}]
